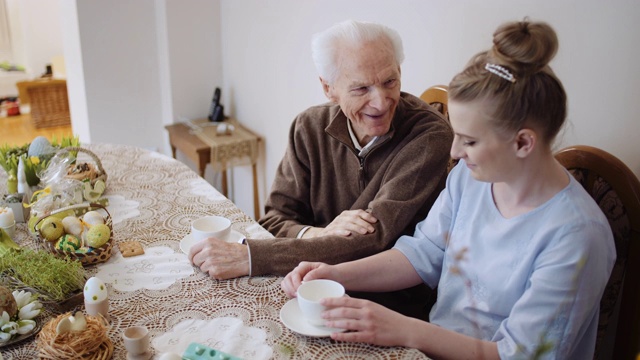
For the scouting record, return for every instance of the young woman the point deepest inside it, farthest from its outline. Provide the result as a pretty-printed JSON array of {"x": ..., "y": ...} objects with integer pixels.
[{"x": 519, "y": 252}]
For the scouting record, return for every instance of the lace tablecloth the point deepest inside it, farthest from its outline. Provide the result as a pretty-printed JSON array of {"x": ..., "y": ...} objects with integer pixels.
[{"x": 153, "y": 199}]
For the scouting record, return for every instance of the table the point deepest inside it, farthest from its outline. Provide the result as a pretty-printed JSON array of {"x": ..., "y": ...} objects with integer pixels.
[
  {"x": 152, "y": 199},
  {"x": 199, "y": 141}
]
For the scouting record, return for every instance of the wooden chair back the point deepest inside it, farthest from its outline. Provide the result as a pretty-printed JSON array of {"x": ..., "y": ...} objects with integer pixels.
[
  {"x": 616, "y": 190},
  {"x": 437, "y": 97}
]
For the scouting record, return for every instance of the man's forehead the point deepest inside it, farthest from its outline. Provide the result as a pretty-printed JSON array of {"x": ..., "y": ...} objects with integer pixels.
[{"x": 368, "y": 77}]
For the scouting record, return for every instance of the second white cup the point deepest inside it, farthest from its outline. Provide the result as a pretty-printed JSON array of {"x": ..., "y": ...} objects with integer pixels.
[
  {"x": 136, "y": 341},
  {"x": 211, "y": 226},
  {"x": 309, "y": 295}
]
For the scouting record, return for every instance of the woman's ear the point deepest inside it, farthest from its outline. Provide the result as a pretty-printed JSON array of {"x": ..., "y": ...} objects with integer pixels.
[{"x": 526, "y": 141}]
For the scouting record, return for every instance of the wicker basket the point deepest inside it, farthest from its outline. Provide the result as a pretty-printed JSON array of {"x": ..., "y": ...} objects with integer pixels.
[
  {"x": 93, "y": 173},
  {"x": 95, "y": 255},
  {"x": 49, "y": 102}
]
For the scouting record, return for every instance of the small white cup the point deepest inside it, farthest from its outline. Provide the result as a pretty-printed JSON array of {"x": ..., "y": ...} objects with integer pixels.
[
  {"x": 211, "y": 226},
  {"x": 309, "y": 295},
  {"x": 136, "y": 341}
]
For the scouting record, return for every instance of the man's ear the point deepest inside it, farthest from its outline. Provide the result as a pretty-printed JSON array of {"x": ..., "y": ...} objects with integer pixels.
[
  {"x": 327, "y": 89},
  {"x": 526, "y": 141}
]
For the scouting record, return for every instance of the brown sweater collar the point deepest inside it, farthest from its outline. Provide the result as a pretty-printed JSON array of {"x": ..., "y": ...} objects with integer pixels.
[{"x": 337, "y": 127}]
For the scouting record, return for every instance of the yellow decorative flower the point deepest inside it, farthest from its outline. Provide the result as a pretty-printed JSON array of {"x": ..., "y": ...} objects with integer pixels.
[{"x": 35, "y": 160}]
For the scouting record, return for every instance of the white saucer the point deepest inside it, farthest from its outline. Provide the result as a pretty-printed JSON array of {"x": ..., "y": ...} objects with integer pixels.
[
  {"x": 188, "y": 241},
  {"x": 291, "y": 316}
]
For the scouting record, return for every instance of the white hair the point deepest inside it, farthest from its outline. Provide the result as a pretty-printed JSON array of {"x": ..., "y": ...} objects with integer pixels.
[{"x": 325, "y": 44}]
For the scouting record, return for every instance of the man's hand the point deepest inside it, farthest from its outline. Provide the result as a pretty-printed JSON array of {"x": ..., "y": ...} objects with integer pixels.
[
  {"x": 222, "y": 260},
  {"x": 348, "y": 222}
]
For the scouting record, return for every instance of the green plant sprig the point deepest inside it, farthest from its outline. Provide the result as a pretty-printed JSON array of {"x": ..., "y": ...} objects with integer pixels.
[
  {"x": 54, "y": 278},
  {"x": 65, "y": 141},
  {"x": 9, "y": 157}
]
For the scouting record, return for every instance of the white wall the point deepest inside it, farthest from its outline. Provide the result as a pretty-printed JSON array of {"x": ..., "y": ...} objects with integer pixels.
[
  {"x": 194, "y": 53},
  {"x": 268, "y": 69},
  {"x": 144, "y": 64},
  {"x": 121, "y": 71},
  {"x": 37, "y": 34}
]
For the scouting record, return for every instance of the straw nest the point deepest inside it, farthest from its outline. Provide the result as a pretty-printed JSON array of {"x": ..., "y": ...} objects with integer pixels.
[{"x": 92, "y": 343}]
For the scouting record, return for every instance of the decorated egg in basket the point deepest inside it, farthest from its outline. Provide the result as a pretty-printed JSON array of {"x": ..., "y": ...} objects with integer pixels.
[
  {"x": 68, "y": 242},
  {"x": 87, "y": 243}
]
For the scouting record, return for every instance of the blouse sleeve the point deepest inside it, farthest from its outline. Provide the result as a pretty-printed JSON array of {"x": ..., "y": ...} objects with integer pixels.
[{"x": 425, "y": 249}]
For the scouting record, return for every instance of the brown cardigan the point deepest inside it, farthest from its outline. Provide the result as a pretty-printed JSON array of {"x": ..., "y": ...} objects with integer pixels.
[{"x": 321, "y": 175}]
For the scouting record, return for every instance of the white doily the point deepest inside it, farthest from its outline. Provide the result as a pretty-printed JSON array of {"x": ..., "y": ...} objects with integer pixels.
[
  {"x": 156, "y": 269},
  {"x": 121, "y": 208},
  {"x": 225, "y": 334}
]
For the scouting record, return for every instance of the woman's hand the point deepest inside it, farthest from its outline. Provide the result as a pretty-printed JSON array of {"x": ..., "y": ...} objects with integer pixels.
[
  {"x": 306, "y": 271},
  {"x": 366, "y": 321}
]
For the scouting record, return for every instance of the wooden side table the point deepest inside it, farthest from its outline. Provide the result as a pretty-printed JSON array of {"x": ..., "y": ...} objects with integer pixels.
[{"x": 181, "y": 137}]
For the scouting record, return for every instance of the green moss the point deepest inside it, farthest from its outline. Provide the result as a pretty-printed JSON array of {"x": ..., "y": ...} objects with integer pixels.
[{"x": 54, "y": 278}]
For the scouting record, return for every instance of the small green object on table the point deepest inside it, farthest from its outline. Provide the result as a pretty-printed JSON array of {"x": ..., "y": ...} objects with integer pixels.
[{"x": 197, "y": 351}]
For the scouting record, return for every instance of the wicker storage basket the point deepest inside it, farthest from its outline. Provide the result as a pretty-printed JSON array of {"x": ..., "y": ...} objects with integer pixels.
[
  {"x": 49, "y": 102},
  {"x": 91, "y": 173},
  {"x": 94, "y": 255}
]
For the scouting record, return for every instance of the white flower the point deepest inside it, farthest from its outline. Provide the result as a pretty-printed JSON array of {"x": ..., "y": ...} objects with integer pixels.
[
  {"x": 29, "y": 307},
  {"x": 4, "y": 337},
  {"x": 25, "y": 326},
  {"x": 10, "y": 328},
  {"x": 22, "y": 298},
  {"x": 4, "y": 319},
  {"x": 30, "y": 311}
]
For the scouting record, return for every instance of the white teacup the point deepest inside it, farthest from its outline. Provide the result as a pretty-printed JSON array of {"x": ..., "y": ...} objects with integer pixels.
[
  {"x": 136, "y": 341},
  {"x": 309, "y": 295},
  {"x": 211, "y": 226}
]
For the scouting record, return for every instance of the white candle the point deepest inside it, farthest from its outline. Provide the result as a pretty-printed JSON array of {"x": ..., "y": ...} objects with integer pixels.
[{"x": 6, "y": 217}]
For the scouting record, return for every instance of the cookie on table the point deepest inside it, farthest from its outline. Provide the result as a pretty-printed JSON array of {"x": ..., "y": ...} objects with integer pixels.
[{"x": 130, "y": 248}]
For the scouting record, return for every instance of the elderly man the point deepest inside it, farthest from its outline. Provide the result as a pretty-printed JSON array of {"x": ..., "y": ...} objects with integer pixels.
[{"x": 359, "y": 171}]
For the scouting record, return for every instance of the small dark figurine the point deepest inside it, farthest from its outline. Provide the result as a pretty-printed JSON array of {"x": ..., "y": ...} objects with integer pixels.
[{"x": 216, "y": 111}]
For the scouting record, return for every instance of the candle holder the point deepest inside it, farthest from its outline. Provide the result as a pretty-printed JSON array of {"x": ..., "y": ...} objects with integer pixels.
[
  {"x": 15, "y": 203},
  {"x": 136, "y": 341},
  {"x": 100, "y": 308},
  {"x": 96, "y": 298},
  {"x": 10, "y": 230}
]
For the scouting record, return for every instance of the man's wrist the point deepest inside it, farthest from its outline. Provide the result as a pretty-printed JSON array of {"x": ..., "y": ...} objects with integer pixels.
[
  {"x": 302, "y": 232},
  {"x": 246, "y": 243}
]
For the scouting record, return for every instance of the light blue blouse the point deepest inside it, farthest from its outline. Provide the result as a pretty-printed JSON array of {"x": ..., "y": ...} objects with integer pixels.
[{"x": 532, "y": 280}]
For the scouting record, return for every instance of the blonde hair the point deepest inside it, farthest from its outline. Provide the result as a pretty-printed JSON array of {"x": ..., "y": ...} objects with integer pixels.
[{"x": 534, "y": 97}]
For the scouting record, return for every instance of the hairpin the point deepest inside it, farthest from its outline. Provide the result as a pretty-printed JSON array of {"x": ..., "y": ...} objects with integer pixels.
[{"x": 500, "y": 71}]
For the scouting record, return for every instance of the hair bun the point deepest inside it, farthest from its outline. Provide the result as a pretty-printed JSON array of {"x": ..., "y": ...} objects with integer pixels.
[{"x": 525, "y": 47}]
